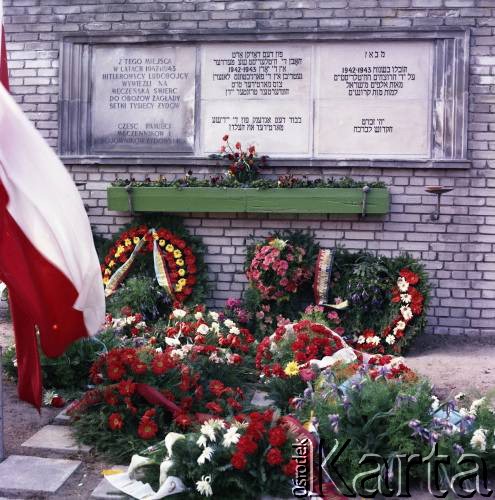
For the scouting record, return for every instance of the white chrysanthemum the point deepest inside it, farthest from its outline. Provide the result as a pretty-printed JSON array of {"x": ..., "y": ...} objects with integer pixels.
[
  {"x": 401, "y": 325},
  {"x": 234, "y": 330},
  {"x": 479, "y": 439},
  {"x": 435, "y": 403},
  {"x": 231, "y": 436},
  {"x": 406, "y": 298},
  {"x": 213, "y": 315},
  {"x": 475, "y": 405},
  {"x": 361, "y": 340},
  {"x": 402, "y": 284},
  {"x": 130, "y": 320},
  {"x": 390, "y": 339},
  {"x": 375, "y": 340},
  {"x": 172, "y": 341},
  {"x": 406, "y": 312},
  {"x": 215, "y": 327},
  {"x": 205, "y": 456},
  {"x": 203, "y": 329},
  {"x": 209, "y": 428},
  {"x": 178, "y": 353},
  {"x": 141, "y": 325},
  {"x": 202, "y": 441},
  {"x": 179, "y": 313},
  {"x": 198, "y": 315},
  {"x": 203, "y": 487},
  {"x": 229, "y": 323}
]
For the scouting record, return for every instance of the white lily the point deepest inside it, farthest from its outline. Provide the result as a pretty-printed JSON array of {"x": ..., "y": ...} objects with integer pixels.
[
  {"x": 164, "y": 468},
  {"x": 137, "y": 461},
  {"x": 170, "y": 440}
]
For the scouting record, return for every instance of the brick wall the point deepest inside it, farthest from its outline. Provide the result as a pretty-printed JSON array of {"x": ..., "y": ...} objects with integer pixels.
[{"x": 459, "y": 250}]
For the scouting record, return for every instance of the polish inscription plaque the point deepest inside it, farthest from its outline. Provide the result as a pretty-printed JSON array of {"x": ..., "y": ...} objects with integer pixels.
[
  {"x": 143, "y": 98},
  {"x": 259, "y": 93}
]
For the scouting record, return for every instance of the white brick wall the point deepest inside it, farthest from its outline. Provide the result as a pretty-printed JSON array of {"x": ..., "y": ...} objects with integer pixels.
[{"x": 459, "y": 250}]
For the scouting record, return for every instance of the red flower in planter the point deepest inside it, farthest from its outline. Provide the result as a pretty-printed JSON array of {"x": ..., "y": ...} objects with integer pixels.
[
  {"x": 110, "y": 397},
  {"x": 160, "y": 363},
  {"x": 139, "y": 367},
  {"x": 274, "y": 456},
  {"x": 217, "y": 388},
  {"x": 214, "y": 407},
  {"x": 115, "y": 421}
]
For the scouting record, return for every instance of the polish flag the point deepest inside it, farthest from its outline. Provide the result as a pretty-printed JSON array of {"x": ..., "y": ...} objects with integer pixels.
[{"x": 47, "y": 256}]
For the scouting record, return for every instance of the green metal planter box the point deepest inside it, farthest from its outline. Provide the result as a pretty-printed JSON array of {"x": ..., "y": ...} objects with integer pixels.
[{"x": 283, "y": 200}]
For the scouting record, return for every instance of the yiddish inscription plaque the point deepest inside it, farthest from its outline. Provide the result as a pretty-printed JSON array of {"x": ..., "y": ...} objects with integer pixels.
[
  {"x": 259, "y": 93},
  {"x": 143, "y": 98},
  {"x": 373, "y": 99}
]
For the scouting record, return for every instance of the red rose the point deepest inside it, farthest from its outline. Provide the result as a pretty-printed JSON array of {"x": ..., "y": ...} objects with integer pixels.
[
  {"x": 246, "y": 445},
  {"x": 274, "y": 456},
  {"x": 57, "y": 401},
  {"x": 147, "y": 428},
  {"x": 277, "y": 436},
  {"x": 225, "y": 137},
  {"x": 238, "y": 461},
  {"x": 127, "y": 387},
  {"x": 115, "y": 421},
  {"x": 289, "y": 469}
]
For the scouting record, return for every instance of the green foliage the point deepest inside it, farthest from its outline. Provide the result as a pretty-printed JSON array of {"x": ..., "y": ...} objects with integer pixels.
[
  {"x": 69, "y": 372},
  {"x": 283, "y": 182}
]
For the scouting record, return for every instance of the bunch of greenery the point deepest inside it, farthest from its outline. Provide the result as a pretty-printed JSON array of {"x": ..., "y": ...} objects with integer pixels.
[
  {"x": 392, "y": 418},
  {"x": 283, "y": 182},
  {"x": 68, "y": 373}
]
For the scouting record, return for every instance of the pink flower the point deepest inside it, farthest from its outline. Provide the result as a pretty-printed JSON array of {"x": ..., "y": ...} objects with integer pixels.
[
  {"x": 307, "y": 374},
  {"x": 333, "y": 315}
]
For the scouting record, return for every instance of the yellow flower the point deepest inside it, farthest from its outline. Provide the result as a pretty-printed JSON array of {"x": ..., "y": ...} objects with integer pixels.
[
  {"x": 178, "y": 288},
  {"x": 182, "y": 282},
  {"x": 177, "y": 254},
  {"x": 107, "y": 271},
  {"x": 169, "y": 248},
  {"x": 291, "y": 369},
  {"x": 161, "y": 243},
  {"x": 127, "y": 242},
  {"x": 181, "y": 272},
  {"x": 111, "y": 263},
  {"x": 106, "y": 280},
  {"x": 120, "y": 250},
  {"x": 136, "y": 239},
  {"x": 179, "y": 262}
]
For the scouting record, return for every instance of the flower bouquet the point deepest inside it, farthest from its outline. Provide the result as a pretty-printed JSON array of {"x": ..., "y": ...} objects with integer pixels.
[{"x": 244, "y": 166}]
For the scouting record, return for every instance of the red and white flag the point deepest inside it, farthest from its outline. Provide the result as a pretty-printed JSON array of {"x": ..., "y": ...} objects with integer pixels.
[{"x": 47, "y": 255}]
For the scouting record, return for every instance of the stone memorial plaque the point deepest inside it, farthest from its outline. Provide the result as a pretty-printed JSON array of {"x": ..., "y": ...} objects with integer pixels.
[
  {"x": 143, "y": 98},
  {"x": 259, "y": 94},
  {"x": 373, "y": 99}
]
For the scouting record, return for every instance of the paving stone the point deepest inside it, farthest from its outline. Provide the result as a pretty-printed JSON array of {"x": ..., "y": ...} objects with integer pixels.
[
  {"x": 105, "y": 490},
  {"x": 22, "y": 474},
  {"x": 55, "y": 438},
  {"x": 62, "y": 418}
]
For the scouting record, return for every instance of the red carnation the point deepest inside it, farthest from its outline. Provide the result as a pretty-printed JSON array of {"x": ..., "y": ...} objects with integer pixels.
[
  {"x": 127, "y": 387},
  {"x": 238, "y": 461},
  {"x": 217, "y": 388},
  {"x": 138, "y": 367},
  {"x": 115, "y": 371},
  {"x": 277, "y": 436},
  {"x": 274, "y": 456},
  {"x": 115, "y": 421},
  {"x": 183, "y": 420},
  {"x": 214, "y": 407},
  {"x": 147, "y": 428},
  {"x": 409, "y": 276}
]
